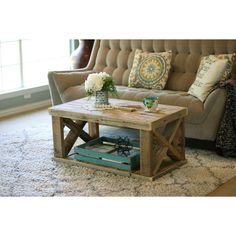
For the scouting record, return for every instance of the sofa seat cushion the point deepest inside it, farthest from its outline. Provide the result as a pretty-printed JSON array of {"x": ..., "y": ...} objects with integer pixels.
[
  {"x": 178, "y": 98},
  {"x": 196, "y": 112}
]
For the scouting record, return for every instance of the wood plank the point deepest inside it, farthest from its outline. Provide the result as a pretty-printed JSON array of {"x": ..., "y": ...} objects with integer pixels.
[
  {"x": 93, "y": 129},
  {"x": 103, "y": 162},
  {"x": 93, "y": 166},
  {"x": 164, "y": 170},
  {"x": 169, "y": 168},
  {"x": 79, "y": 109},
  {"x": 70, "y": 160},
  {"x": 167, "y": 144},
  {"x": 179, "y": 143},
  {"x": 70, "y": 140},
  {"x": 58, "y": 137},
  {"x": 146, "y": 153},
  {"x": 174, "y": 130},
  {"x": 159, "y": 157},
  {"x": 169, "y": 133},
  {"x": 145, "y": 122},
  {"x": 74, "y": 124},
  {"x": 77, "y": 129},
  {"x": 164, "y": 120},
  {"x": 116, "y": 120},
  {"x": 136, "y": 174}
]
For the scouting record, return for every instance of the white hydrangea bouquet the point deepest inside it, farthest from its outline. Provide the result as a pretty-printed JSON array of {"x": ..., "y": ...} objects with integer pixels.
[{"x": 99, "y": 82}]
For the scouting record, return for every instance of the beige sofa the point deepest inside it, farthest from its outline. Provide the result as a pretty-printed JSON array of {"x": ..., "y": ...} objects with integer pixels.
[{"x": 116, "y": 57}]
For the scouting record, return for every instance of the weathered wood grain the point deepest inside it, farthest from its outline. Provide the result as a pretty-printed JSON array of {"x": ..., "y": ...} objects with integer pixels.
[
  {"x": 146, "y": 155},
  {"x": 58, "y": 136},
  {"x": 81, "y": 110},
  {"x": 166, "y": 126},
  {"x": 93, "y": 129}
]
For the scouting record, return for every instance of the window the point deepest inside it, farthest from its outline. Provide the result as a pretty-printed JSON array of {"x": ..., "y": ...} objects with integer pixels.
[{"x": 25, "y": 63}]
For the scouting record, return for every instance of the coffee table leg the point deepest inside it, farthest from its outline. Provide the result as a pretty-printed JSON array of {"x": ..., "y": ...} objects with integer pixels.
[
  {"x": 93, "y": 129},
  {"x": 58, "y": 137},
  {"x": 146, "y": 157}
]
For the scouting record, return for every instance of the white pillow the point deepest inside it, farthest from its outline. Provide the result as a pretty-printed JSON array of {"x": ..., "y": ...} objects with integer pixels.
[{"x": 207, "y": 77}]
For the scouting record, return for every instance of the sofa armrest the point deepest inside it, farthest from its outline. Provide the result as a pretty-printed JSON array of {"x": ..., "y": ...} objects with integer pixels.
[
  {"x": 214, "y": 107},
  {"x": 59, "y": 81},
  {"x": 216, "y": 96},
  {"x": 65, "y": 80}
]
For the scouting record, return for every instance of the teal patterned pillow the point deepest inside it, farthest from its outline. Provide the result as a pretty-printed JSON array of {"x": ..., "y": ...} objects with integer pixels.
[{"x": 150, "y": 70}]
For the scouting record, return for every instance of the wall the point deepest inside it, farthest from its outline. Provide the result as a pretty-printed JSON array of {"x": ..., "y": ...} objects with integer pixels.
[{"x": 24, "y": 100}]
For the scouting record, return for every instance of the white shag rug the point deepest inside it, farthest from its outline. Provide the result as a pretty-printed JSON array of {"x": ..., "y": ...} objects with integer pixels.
[{"x": 27, "y": 169}]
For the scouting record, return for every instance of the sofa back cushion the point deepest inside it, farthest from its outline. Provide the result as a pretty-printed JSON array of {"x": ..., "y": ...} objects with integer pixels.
[{"x": 116, "y": 58}]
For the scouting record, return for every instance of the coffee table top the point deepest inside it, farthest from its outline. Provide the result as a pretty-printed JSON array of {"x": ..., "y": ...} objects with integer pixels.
[{"x": 82, "y": 109}]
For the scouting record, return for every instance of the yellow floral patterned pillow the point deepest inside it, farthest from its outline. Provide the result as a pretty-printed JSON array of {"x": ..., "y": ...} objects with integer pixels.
[{"x": 150, "y": 70}]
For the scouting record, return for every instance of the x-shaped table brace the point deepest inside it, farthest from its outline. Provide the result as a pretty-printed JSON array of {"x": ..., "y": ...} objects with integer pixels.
[
  {"x": 63, "y": 145},
  {"x": 170, "y": 143}
]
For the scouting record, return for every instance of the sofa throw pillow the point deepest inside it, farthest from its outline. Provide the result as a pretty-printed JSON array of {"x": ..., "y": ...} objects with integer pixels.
[
  {"x": 211, "y": 58},
  {"x": 150, "y": 70},
  {"x": 208, "y": 75}
]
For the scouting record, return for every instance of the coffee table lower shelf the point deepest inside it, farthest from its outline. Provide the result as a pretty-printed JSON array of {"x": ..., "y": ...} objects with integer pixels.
[{"x": 136, "y": 174}]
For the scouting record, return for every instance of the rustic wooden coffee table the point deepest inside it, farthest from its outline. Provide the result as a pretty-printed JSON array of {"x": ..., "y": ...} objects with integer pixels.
[{"x": 162, "y": 142}]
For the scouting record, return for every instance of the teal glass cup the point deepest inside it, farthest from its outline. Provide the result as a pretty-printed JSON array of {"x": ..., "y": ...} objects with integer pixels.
[{"x": 151, "y": 103}]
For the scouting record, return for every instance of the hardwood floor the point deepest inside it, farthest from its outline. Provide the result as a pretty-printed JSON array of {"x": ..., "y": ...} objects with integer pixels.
[{"x": 228, "y": 189}]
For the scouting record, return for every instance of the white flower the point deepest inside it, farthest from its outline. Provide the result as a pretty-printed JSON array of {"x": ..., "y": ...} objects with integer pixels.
[
  {"x": 94, "y": 83},
  {"x": 103, "y": 75}
]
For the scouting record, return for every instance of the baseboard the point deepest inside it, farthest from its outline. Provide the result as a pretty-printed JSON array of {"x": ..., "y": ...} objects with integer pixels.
[
  {"x": 23, "y": 91},
  {"x": 25, "y": 108}
]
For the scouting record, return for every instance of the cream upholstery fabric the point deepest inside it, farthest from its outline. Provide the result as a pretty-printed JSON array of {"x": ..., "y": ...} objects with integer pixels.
[
  {"x": 209, "y": 74},
  {"x": 150, "y": 70},
  {"x": 116, "y": 57},
  {"x": 72, "y": 79}
]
